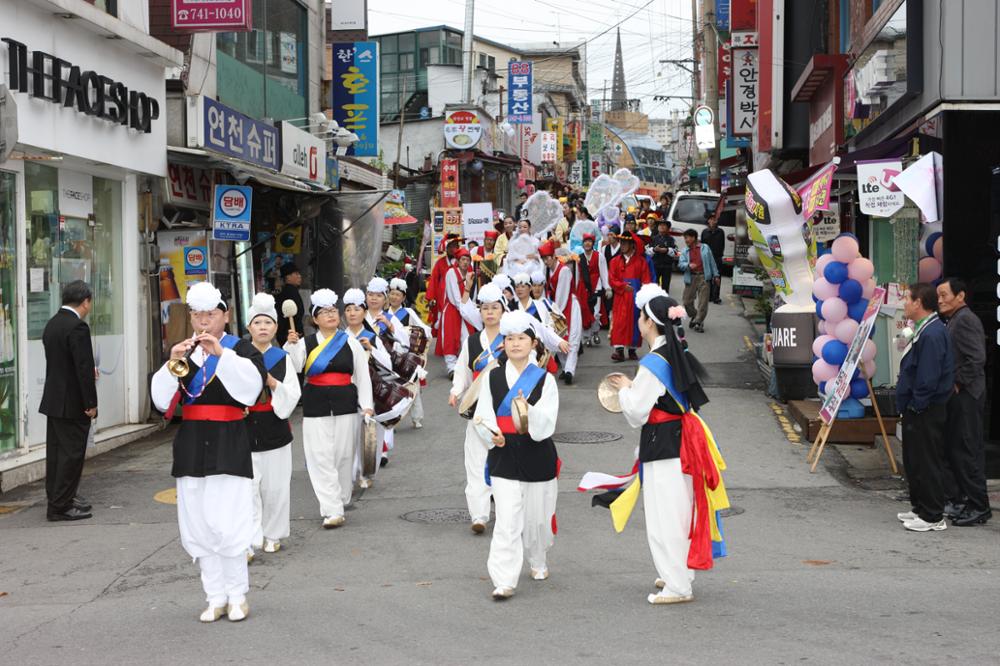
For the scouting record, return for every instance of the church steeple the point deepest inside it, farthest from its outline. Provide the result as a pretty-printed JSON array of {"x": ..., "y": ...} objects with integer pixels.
[{"x": 618, "y": 96}]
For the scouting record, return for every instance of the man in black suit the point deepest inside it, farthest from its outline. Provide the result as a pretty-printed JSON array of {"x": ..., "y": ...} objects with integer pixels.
[
  {"x": 292, "y": 277},
  {"x": 69, "y": 401}
]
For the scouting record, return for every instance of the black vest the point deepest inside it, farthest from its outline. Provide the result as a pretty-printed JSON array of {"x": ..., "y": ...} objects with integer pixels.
[
  {"x": 318, "y": 401},
  {"x": 476, "y": 348},
  {"x": 661, "y": 441},
  {"x": 207, "y": 448},
  {"x": 521, "y": 458},
  {"x": 268, "y": 432}
]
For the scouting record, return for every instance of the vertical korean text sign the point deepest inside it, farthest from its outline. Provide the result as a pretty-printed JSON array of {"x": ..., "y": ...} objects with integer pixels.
[
  {"x": 356, "y": 93},
  {"x": 519, "y": 92},
  {"x": 231, "y": 212}
]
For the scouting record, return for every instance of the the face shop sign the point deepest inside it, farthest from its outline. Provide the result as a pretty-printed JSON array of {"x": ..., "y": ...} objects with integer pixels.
[{"x": 53, "y": 79}]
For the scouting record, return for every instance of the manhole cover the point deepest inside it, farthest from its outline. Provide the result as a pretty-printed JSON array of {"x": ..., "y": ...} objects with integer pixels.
[
  {"x": 732, "y": 511},
  {"x": 437, "y": 516},
  {"x": 586, "y": 437}
]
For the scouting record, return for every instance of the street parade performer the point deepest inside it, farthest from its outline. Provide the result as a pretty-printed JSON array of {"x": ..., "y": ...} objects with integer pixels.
[
  {"x": 452, "y": 328},
  {"x": 391, "y": 332},
  {"x": 409, "y": 318},
  {"x": 522, "y": 468},
  {"x": 679, "y": 465},
  {"x": 627, "y": 272},
  {"x": 598, "y": 270},
  {"x": 435, "y": 283},
  {"x": 337, "y": 388},
  {"x": 563, "y": 293},
  {"x": 212, "y": 462},
  {"x": 480, "y": 351},
  {"x": 270, "y": 432}
]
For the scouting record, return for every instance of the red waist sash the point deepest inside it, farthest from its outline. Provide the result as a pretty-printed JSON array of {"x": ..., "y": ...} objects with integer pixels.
[
  {"x": 212, "y": 413},
  {"x": 262, "y": 407},
  {"x": 506, "y": 425},
  {"x": 329, "y": 379}
]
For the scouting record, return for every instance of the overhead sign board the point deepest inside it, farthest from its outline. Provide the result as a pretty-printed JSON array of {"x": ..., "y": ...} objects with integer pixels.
[
  {"x": 519, "y": 85},
  {"x": 462, "y": 129},
  {"x": 211, "y": 15},
  {"x": 216, "y": 127},
  {"x": 877, "y": 194},
  {"x": 355, "y": 94},
  {"x": 231, "y": 212},
  {"x": 302, "y": 154}
]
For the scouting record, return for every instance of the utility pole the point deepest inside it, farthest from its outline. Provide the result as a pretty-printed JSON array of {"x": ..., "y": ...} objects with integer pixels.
[
  {"x": 712, "y": 90},
  {"x": 468, "y": 67},
  {"x": 401, "y": 103}
]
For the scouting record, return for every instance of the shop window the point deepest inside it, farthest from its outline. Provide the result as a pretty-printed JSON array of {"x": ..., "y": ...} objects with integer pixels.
[
  {"x": 390, "y": 63},
  {"x": 429, "y": 38},
  {"x": 8, "y": 310},
  {"x": 264, "y": 73},
  {"x": 406, "y": 43},
  {"x": 389, "y": 44},
  {"x": 406, "y": 61},
  {"x": 73, "y": 245}
]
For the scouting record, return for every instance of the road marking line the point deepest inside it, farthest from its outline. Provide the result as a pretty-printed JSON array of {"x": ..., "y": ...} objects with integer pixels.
[{"x": 168, "y": 496}]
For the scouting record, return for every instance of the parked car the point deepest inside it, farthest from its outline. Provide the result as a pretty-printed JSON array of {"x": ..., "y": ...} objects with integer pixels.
[{"x": 691, "y": 210}]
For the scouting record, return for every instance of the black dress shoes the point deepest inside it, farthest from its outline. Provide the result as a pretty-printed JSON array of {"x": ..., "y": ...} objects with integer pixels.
[
  {"x": 970, "y": 518},
  {"x": 71, "y": 513},
  {"x": 81, "y": 504},
  {"x": 953, "y": 509},
  {"x": 568, "y": 378}
]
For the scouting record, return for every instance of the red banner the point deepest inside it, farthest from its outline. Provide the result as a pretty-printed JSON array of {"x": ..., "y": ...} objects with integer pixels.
[
  {"x": 449, "y": 183},
  {"x": 742, "y": 15}
]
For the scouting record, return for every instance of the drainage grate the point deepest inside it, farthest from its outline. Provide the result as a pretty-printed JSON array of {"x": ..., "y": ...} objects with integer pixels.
[
  {"x": 586, "y": 437},
  {"x": 732, "y": 511},
  {"x": 437, "y": 516}
]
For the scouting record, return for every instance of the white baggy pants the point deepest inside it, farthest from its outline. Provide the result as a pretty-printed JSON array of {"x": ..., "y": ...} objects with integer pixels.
[
  {"x": 272, "y": 479},
  {"x": 477, "y": 493},
  {"x": 568, "y": 361},
  {"x": 215, "y": 518},
  {"x": 417, "y": 408},
  {"x": 524, "y": 516},
  {"x": 667, "y": 498},
  {"x": 329, "y": 443}
]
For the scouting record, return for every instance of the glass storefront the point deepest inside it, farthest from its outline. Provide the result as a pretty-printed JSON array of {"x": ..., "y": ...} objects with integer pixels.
[
  {"x": 8, "y": 309},
  {"x": 74, "y": 232}
]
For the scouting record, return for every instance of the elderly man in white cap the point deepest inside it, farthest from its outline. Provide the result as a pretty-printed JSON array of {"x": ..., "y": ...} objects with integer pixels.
[
  {"x": 522, "y": 468},
  {"x": 215, "y": 376},
  {"x": 338, "y": 388},
  {"x": 270, "y": 432}
]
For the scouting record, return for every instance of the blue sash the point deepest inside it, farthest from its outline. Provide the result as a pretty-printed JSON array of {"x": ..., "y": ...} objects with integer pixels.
[
  {"x": 330, "y": 349},
  {"x": 272, "y": 356},
  {"x": 206, "y": 373},
  {"x": 533, "y": 311},
  {"x": 366, "y": 335},
  {"x": 660, "y": 368},
  {"x": 382, "y": 328},
  {"x": 484, "y": 358},
  {"x": 402, "y": 315},
  {"x": 526, "y": 382},
  {"x": 636, "y": 285}
]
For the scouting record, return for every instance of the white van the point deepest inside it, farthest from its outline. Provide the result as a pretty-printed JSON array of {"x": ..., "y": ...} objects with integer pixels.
[{"x": 691, "y": 210}]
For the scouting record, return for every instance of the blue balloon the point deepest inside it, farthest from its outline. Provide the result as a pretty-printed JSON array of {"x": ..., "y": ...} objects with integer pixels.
[
  {"x": 859, "y": 389},
  {"x": 929, "y": 242},
  {"x": 835, "y": 272},
  {"x": 857, "y": 310},
  {"x": 822, "y": 387},
  {"x": 850, "y": 291},
  {"x": 834, "y": 352},
  {"x": 851, "y": 409},
  {"x": 819, "y": 309},
  {"x": 857, "y": 373},
  {"x": 815, "y": 300}
]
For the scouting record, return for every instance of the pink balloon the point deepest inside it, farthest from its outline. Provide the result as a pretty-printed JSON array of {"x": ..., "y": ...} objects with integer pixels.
[
  {"x": 821, "y": 327},
  {"x": 823, "y": 289},
  {"x": 845, "y": 249},
  {"x": 869, "y": 369},
  {"x": 845, "y": 330},
  {"x": 822, "y": 262},
  {"x": 861, "y": 269},
  {"x": 819, "y": 342},
  {"x": 929, "y": 269},
  {"x": 868, "y": 288},
  {"x": 868, "y": 351},
  {"x": 823, "y": 371},
  {"x": 834, "y": 310},
  {"x": 938, "y": 250}
]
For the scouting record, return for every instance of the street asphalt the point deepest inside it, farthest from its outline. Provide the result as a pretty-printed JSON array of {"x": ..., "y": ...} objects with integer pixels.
[{"x": 819, "y": 571}]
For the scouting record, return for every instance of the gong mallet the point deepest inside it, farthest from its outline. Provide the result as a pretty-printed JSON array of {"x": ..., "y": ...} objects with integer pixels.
[{"x": 289, "y": 309}]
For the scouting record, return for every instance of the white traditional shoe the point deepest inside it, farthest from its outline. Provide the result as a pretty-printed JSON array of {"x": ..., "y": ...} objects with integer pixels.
[
  {"x": 272, "y": 546},
  {"x": 333, "y": 522},
  {"x": 921, "y": 525},
  {"x": 660, "y": 583},
  {"x": 906, "y": 516},
  {"x": 478, "y": 525},
  {"x": 365, "y": 483},
  {"x": 212, "y": 613},
  {"x": 237, "y": 613},
  {"x": 503, "y": 593},
  {"x": 417, "y": 424},
  {"x": 540, "y": 574},
  {"x": 661, "y": 598},
  {"x": 250, "y": 556}
]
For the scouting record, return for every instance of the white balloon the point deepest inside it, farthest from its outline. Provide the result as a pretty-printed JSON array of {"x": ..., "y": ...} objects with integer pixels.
[
  {"x": 603, "y": 192},
  {"x": 628, "y": 182}
]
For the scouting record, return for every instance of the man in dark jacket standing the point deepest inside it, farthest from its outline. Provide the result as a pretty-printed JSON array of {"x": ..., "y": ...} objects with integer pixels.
[
  {"x": 292, "y": 277},
  {"x": 926, "y": 382},
  {"x": 964, "y": 447},
  {"x": 69, "y": 400},
  {"x": 715, "y": 239}
]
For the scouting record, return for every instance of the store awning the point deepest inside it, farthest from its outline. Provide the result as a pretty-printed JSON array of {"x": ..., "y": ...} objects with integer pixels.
[
  {"x": 242, "y": 171},
  {"x": 888, "y": 149}
]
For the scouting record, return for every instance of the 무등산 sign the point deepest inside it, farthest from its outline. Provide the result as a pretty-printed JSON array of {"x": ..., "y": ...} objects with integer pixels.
[{"x": 842, "y": 383}]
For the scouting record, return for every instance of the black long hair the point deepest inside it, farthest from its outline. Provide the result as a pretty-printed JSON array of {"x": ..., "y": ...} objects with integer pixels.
[{"x": 687, "y": 369}]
